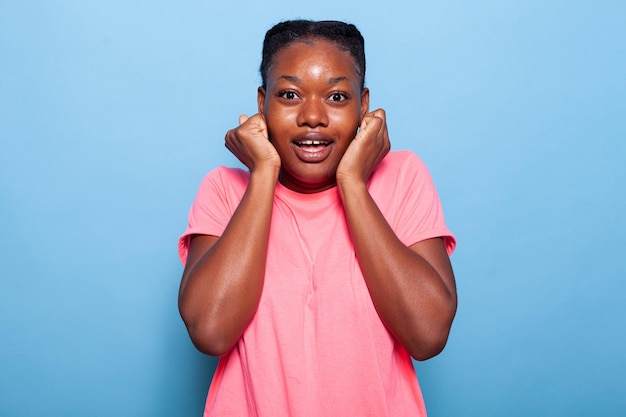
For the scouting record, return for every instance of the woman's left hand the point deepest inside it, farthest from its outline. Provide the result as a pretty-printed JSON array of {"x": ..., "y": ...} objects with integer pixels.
[{"x": 367, "y": 149}]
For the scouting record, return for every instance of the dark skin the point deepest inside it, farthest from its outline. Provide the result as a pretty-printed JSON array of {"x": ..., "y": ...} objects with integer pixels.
[{"x": 305, "y": 137}]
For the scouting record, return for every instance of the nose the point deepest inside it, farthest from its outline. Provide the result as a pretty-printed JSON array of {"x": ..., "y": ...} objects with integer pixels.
[{"x": 312, "y": 114}]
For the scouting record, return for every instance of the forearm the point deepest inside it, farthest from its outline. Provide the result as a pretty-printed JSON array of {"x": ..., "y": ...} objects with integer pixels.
[
  {"x": 412, "y": 298},
  {"x": 220, "y": 291}
]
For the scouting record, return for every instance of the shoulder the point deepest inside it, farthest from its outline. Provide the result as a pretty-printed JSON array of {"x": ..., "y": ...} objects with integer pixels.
[
  {"x": 398, "y": 164},
  {"x": 401, "y": 174},
  {"x": 227, "y": 175},
  {"x": 224, "y": 179}
]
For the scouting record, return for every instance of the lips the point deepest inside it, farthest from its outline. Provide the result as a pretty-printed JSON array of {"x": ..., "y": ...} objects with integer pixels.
[
  {"x": 305, "y": 143},
  {"x": 312, "y": 148}
]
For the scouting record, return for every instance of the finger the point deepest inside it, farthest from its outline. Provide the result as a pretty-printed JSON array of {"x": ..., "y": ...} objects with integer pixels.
[
  {"x": 371, "y": 125},
  {"x": 242, "y": 119},
  {"x": 376, "y": 114},
  {"x": 261, "y": 125},
  {"x": 379, "y": 113},
  {"x": 367, "y": 119}
]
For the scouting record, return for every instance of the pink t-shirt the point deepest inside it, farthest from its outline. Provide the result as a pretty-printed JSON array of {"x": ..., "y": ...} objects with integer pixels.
[{"x": 316, "y": 346}]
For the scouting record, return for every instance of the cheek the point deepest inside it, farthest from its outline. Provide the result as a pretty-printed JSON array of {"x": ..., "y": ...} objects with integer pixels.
[
  {"x": 277, "y": 118},
  {"x": 347, "y": 123},
  {"x": 279, "y": 129}
]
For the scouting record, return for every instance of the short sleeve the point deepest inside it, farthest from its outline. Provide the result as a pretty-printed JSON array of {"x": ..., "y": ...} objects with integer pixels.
[
  {"x": 404, "y": 191},
  {"x": 217, "y": 198}
]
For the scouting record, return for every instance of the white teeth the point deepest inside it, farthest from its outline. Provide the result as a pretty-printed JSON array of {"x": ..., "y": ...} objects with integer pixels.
[{"x": 311, "y": 143}]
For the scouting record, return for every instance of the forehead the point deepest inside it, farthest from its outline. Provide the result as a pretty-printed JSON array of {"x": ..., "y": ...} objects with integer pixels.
[{"x": 313, "y": 56}]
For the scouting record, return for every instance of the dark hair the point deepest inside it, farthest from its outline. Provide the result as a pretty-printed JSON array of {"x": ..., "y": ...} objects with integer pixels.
[{"x": 345, "y": 35}]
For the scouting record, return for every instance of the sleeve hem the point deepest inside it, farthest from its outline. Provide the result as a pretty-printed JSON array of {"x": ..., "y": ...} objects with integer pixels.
[{"x": 448, "y": 238}]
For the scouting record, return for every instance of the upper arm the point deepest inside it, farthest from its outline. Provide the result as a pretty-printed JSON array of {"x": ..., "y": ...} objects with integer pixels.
[
  {"x": 434, "y": 252},
  {"x": 199, "y": 245}
]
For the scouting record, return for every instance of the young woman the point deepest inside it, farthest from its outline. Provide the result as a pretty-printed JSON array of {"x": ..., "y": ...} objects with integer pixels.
[{"x": 320, "y": 271}]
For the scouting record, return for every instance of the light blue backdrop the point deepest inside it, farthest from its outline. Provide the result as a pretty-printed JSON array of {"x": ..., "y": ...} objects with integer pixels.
[{"x": 112, "y": 111}]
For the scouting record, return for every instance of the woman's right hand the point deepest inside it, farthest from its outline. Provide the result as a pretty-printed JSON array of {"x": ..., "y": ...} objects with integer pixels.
[
  {"x": 249, "y": 142},
  {"x": 223, "y": 277}
]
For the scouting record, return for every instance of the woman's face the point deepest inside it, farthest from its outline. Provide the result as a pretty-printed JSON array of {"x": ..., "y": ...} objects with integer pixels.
[{"x": 313, "y": 104}]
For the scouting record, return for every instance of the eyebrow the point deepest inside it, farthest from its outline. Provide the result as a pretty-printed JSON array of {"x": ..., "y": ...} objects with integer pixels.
[
  {"x": 290, "y": 78},
  {"x": 337, "y": 80},
  {"x": 296, "y": 80}
]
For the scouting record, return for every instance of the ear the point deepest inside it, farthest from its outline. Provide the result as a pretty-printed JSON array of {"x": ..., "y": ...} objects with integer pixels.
[
  {"x": 365, "y": 102},
  {"x": 261, "y": 100}
]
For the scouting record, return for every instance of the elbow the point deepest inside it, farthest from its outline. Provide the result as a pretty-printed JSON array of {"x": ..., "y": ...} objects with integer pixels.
[
  {"x": 207, "y": 335},
  {"x": 427, "y": 348},
  {"x": 209, "y": 341},
  {"x": 430, "y": 341}
]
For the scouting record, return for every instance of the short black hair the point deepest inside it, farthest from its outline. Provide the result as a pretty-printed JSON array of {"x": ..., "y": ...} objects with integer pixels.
[{"x": 345, "y": 35}]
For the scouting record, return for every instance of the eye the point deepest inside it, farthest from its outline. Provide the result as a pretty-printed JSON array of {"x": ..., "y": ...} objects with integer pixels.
[
  {"x": 338, "y": 97},
  {"x": 288, "y": 95}
]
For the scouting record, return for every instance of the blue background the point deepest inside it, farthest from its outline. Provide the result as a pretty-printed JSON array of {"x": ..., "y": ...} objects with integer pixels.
[{"x": 112, "y": 111}]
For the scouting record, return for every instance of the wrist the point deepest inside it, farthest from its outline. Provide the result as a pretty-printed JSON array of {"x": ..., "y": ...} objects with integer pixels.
[
  {"x": 348, "y": 186},
  {"x": 265, "y": 174}
]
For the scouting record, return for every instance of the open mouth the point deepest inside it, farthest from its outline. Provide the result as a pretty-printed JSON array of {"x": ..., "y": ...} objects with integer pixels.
[
  {"x": 314, "y": 143},
  {"x": 313, "y": 149}
]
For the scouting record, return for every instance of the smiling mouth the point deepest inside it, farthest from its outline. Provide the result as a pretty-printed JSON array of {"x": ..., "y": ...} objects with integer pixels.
[
  {"x": 313, "y": 150},
  {"x": 314, "y": 143}
]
